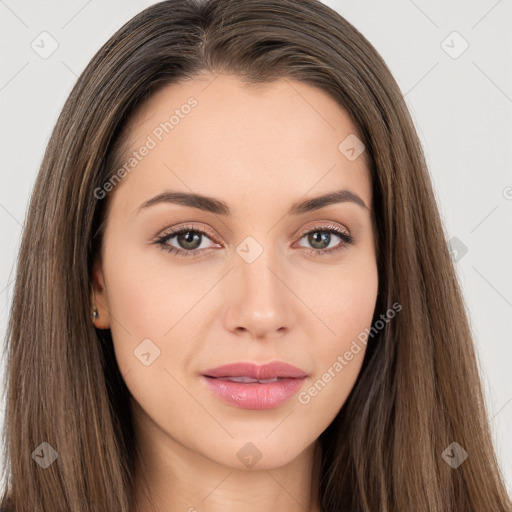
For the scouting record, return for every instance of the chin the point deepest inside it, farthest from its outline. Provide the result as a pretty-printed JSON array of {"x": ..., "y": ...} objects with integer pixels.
[{"x": 258, "y": 452}]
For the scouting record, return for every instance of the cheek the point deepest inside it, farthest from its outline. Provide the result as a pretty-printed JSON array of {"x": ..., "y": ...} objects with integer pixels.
[
  {"x": 353, "y": 320},
  {"x": 153, "y": 297},
  {"x": 343, "y": 299},
  {"x": 346, "y": 306},
  {"x": 337, "y": 367},
  {"x": 139, "y": 300}
]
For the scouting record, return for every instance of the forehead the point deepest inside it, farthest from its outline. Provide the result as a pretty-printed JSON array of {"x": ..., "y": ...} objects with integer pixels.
[
  {"x": 222, "y": 137},
  {"x": 231, "y": 103}
]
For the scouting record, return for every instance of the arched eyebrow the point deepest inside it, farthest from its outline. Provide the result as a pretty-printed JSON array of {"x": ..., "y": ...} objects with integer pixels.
[{"x": 219, "y": 207}]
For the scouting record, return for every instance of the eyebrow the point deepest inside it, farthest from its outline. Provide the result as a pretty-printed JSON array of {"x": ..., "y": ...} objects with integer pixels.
[{"x": 218, "y": 207}]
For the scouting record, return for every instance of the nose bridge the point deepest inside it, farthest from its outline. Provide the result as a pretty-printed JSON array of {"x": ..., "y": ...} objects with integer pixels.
[
  {"x": 256, "y": 266},
  {"x": 260, "y": 300}
]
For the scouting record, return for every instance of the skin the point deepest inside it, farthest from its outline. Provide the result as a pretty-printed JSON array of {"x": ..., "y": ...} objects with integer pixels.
[{"x": 259, "y": 150}]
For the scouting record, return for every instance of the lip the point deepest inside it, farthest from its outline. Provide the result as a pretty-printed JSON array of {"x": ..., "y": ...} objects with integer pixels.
[
  {"x": 255, "y": 395},
  {"x": 271, "y": 370}
]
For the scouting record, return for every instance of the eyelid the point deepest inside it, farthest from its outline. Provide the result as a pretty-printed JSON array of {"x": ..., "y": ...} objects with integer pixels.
[
  {"x": 300, "y": 234},
  {"x": 346, "y": 239},
  {"x": 183, "y": 227},
  {"x": 318, "y": 225}
]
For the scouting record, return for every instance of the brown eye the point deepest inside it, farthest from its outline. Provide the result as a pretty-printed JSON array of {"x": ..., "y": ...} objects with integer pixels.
[
  {"x": 321, "y": 237},
  {"x": 188, "y": 241}
]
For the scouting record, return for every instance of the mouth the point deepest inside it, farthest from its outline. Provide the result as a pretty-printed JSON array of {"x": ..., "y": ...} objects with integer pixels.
[
  {"x": 262, "y": 373},
  {"x": 249, "y": 386},
  {"x": 247, "y": 380}
]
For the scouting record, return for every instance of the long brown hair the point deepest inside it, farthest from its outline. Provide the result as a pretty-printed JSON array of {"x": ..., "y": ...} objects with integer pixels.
[{"x": 418, "y": 390}]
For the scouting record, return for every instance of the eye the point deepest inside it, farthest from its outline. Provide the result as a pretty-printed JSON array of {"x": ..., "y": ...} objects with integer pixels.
[
  {"x": 188, "y": 238},
  {"x": 320, "y": 237}
]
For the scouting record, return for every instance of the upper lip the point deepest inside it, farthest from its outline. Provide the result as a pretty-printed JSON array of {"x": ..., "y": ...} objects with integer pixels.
[{"x": 271, "y": 370}]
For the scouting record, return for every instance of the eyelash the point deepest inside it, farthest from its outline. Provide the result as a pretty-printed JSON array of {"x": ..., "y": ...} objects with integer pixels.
[{"x": 346, "y": 238}]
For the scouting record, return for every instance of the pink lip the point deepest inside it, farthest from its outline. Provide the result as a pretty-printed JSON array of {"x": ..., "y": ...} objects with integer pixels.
[
  {"x": 255, "y": 395},
  {"x": 261, "y": 372}
]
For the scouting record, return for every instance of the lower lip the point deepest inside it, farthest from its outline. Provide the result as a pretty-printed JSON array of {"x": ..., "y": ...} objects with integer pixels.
[{"x": 268, "y": 395}]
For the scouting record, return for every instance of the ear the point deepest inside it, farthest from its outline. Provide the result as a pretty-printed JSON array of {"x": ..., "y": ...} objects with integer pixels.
[{"x": 99, "y": 297}]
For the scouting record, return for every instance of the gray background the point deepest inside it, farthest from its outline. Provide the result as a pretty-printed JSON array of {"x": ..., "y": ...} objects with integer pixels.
[{"x": 461, "y": 102}]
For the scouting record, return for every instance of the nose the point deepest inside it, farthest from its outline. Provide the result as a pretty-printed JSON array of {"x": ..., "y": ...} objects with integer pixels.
[{"x": 261, "y": 304}]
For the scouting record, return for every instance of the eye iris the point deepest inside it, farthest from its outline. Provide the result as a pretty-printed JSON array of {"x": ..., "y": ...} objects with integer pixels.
[
  {"x": 314, "y": 239},
  {"x": 187, "y": 237}
]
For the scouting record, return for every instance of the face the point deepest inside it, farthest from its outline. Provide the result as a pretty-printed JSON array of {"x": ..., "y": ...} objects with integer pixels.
[{"x": 187, "y": 287}]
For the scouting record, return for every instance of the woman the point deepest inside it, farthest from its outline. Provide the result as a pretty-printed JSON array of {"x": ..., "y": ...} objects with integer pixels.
[{"x": 234, "y": 288}]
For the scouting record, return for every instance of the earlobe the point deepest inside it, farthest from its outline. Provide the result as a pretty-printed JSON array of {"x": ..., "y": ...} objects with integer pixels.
[{"x": 100, "y": 311}]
